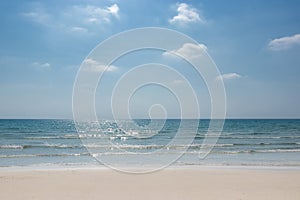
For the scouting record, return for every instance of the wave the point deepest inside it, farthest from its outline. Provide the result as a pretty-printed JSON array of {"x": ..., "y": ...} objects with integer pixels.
[
  {"x": 163, "y": 152},
  {"x": 247, "y": 137},
  {"x": 138, "y": 146},
  {"x": 69, "y": 136},
  {"x": 27, "y": 146},
  {"x": 265, "y": 144},
  {"x": 11, "y": 146},
  {"x": 120, "y": 136},
  {"x": 192, "y": 146},
  {"x": 43, "y": 155},
  {"x": 258, "y": 151}
]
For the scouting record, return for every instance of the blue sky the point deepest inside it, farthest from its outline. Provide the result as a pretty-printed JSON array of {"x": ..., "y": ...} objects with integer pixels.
[{"x": 255, "y": 44}]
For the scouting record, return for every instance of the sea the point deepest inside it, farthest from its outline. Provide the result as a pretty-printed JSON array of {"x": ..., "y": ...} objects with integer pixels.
[{"x": 59, "y": 143}]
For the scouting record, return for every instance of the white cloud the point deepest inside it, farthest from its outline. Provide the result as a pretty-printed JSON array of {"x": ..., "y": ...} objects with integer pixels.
[
  {"x": 91, "y": 65},
  {"x": 78, "y": 29},
  {"x": 96, "y": 15},
  {"x": 284, "y": 42},
  {"x": 114, "y": 10},
  {"x": 188, "y": 50},
  {"x": 45, "y": 66},
  {"x": 228, "y": 76},
  {"x": 38, "y": 16},
  {"x": 186, "y": 14},
  {"x": 74, "y": 19}
]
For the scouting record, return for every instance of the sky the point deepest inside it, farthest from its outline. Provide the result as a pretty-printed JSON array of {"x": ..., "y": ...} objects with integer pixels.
[{"x": 255, "y": 45}]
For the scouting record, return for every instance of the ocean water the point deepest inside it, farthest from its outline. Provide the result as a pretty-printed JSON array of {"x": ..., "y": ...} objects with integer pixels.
[{"x": 250, "y": 142}]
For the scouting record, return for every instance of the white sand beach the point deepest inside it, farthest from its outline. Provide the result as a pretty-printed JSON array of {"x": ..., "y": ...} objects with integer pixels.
[{"x": 202, "y": 183}]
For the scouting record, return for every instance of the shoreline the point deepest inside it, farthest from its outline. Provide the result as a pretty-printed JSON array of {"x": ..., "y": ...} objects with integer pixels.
[
  {"x": 178, "y": 167},
  {"x": 172, "y": 167}
]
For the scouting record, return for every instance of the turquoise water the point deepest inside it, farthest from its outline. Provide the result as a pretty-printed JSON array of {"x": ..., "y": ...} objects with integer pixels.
[{"x": 251, "y": 142}]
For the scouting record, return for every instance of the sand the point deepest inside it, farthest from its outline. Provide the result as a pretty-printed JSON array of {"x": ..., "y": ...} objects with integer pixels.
[{"x": 168, "y": 184}]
